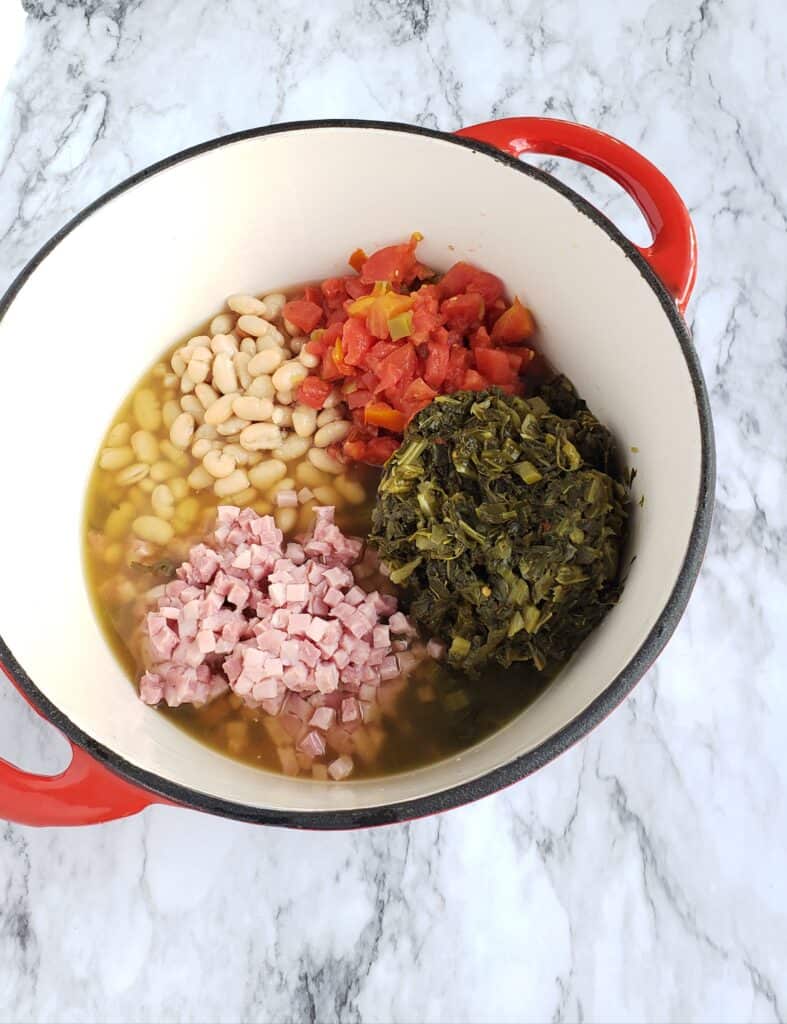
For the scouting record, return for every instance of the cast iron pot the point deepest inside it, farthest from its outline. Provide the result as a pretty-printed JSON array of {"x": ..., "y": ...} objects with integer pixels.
[{"x": 158, "y": 254}]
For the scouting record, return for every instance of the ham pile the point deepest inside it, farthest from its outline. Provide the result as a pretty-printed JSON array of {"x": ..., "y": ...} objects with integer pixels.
[{"x": 288, "y": 630}]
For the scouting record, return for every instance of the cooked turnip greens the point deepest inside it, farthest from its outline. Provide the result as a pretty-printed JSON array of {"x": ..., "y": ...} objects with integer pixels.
[{"x": 503, "y": 519}]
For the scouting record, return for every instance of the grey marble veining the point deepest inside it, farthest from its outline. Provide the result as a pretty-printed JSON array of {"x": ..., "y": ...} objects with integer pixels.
[{"x": 639, "y": 877}]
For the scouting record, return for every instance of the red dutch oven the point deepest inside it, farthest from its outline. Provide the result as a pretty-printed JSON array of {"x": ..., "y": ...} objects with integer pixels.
[{"x": 258, "y": 209}]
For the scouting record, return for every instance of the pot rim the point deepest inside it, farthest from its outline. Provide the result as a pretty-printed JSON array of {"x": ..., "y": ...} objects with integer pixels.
[{"x": 529, "y": 762}]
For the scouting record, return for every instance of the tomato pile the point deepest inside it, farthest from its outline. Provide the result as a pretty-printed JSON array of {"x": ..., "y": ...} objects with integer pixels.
[{"x": 395, "y": 335}]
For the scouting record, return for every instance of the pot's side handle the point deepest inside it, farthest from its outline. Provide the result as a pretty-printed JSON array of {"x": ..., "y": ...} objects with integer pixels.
[
  {"x": 85, "y": 793},
  {"x": 673, "y": 252}
]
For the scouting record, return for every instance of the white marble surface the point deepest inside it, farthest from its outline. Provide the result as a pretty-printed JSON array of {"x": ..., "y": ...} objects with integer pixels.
[{"x": 642, "y": 875}]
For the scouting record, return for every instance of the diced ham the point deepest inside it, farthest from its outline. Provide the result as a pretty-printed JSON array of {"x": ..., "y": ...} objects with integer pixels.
[{"x": 279, "y": 625}]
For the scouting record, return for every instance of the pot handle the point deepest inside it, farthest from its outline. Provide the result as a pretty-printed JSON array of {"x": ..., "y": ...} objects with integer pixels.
[
  {"x": 85, "y": 793},
  {"x": 673, "y": 251}
]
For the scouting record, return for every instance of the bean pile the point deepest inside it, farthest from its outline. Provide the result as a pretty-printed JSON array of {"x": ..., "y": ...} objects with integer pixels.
[{"x": 221, "y": 419}]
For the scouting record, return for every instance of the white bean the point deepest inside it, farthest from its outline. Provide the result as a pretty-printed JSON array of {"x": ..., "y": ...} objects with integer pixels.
[
  {"x": 220, "y": 411},
  {"x": 306, "y": 473},
  {"x": 233, "y": 425},
  {"x": 163, "y": 502},
  {"x": 249, "y": 408},
  {"x": 291, "y": 329},
  {"x": 261, "y": 387},
  {"x": 219, "y": 464},
  {"x": 170, "y": 412},
  {"x": 227, "y": 343},
  {"x": 236, "y": 481},
  {"x": 261, "y": 437},
  {"x": 146, "y": 485},
  {"x": 332, "y": 433},
  {"x": 152, "y": 529},
  {"x": 199, "y": 478},
  {"x": 350, "y": 490},
  {"x": 267, "y": 473},
  {"x": 222, "y": 324},
  {"x": 178, "y": 362},
  {"x": 328, "y": 416},
  {"x": 201, "y": 447},
  {"x": 206, "y": 430},
  {"x": 132, "y": 474},
  {"x": 197, "y": 342},
  {"x": 241, "y": 456},
  {"x": 199, "y": 368},
  {"x": 246, "y": 305},
  {"x": 224, "y": 376},
  {"x": 241, "y": 362},
  {"x": 118, "y": 435},
  {"x": 179, "y": 487},
  {"x": 186, "y": 384},
  {"x": 266, "y": 362},
  {"x": 206, "y": 395},
  {"x": 334, "y": 398},
  {"x": 146, "y": 409},
  {"x": 304, "y": 420},
  {"x": 274, "y": 304},
  {"x": 271, "y": 341},
  {"x": 248, "y": 346},
  {"x": 182, "y": 430},
  {"x": 242, "y": 498},
  {"x": 253, "y": 325},
  {"x": 116, "y": 458},
  {"x": 286, "y": 518},
  {"x": 293, "y": 447},
  {"x": 322, "y": 460},
  {"x": 325, "y": 495},
  {"x": 191, "y": 404},
  {"x": 285, "y": 397},
  {"x": 145, "y": 446},
  {"x": 286, "y": 484},
  {"x": 296, "y": 344},
  {"x": 290, "y": 375},
  {"x": 162, "y": 470},
  {"x": 282, "y": 416},
  {"x": 309, "y": 360}
]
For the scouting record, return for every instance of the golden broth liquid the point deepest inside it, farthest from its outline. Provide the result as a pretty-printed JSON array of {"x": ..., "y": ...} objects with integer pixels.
[{"x": 436, "y": 714}]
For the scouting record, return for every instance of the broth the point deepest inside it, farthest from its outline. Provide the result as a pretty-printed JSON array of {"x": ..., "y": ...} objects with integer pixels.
[{"x": 435, "y": 714}]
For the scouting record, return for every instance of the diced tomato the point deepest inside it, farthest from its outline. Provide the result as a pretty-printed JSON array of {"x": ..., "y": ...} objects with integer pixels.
[
  {"x": 395, "y": 263},
  {"x": 336, "y": 316},
  {"x": 328, "y": 368},
  {"x": 398, "y": 367},
  {"x": 458, "y": 362},
  {"x": 436, "y": 364},
  {"x": 357, "y": 260},
  {"x": 358, "y": 399},
  {"x": 417, "y": 396},
  {"x": 355, "y": 287},
  {"x": 356, "y": 341},
  {"x": 380, "y": 449},
  {"x": 493, "y": 364},
  {"x": 455, "y": 280},
  {"x": 313, "y": 293},
  {"x": 480, "y": 338},
  {"x": 305, "y": 315},
  {"x": 313, "y": 392},
  {"x": 519, "y": 358},
  {"x": 354, "y": 448},
  {"x": 462, "y": 312},
  {"x": 515, "y": 325},
  {"x": 375, "y": 358},
  {"x": 334, "y": 293},
  {"x": 488, "y": 286},
  {"x": 473, "y": 381},
  {"x": 382, "y": 415},
  {"x": 494, "y": 311}
]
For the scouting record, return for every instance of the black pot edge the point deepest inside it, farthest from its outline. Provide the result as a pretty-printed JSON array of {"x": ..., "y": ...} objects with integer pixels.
[{"x": 530, "y": 762}]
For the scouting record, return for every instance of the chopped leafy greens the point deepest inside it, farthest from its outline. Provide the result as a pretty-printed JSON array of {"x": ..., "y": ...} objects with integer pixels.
[{"x": 501, "y": 519}]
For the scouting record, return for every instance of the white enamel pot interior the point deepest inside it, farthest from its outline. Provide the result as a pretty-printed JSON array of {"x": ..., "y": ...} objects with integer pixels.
[{"x": 157, "y": 256}]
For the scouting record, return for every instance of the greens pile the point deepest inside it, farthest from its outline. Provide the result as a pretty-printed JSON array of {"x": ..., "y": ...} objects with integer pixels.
[{"x": 502, "y": 521}]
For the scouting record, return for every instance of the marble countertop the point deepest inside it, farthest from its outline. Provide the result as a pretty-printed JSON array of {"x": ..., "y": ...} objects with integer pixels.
[{"x": 641, "y": 876}]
